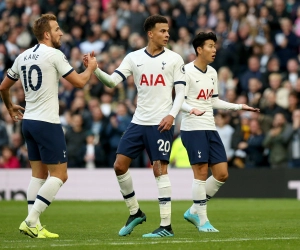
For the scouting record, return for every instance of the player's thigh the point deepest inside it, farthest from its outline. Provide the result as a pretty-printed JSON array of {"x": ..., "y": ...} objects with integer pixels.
[
  {"x": 196, "y": 143},
  {"x": 32, "y": 144},
  {"x": 131, "y": 143},
  {"x": 39, "y": 169},
  {"x": 158, "y": 144},
  {"x": 217, "y": 153},
  {"x": 50, "y": 140}
]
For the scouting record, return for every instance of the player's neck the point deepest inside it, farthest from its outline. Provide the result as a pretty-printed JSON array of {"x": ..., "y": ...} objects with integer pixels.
[
  {"x": 154, "y": 49},
  {"x": 49, "y": 44},
  {"x": 200, "y": 64}
]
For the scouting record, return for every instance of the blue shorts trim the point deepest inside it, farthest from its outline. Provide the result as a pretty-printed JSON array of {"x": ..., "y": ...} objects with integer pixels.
[
  {"x": 136, "y": 138},
  {"x": 204, "y": 146},
  {"x": 45, "y": 142}
]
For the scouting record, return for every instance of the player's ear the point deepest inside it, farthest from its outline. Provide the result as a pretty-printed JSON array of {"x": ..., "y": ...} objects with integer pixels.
[
  {"x": 199, "y": 50},
  {"x": 150, "y": 34},
  {"x": 47, "y": 35}
]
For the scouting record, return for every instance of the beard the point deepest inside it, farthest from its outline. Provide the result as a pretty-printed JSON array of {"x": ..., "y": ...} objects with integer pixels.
[{"x": 56, "y": 44}]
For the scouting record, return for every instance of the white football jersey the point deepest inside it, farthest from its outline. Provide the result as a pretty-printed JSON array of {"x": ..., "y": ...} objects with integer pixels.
[
  {"x": 200, "y": 88},
  {"x": 154, "y": 77},
  {"x": 39, "y": 69}
]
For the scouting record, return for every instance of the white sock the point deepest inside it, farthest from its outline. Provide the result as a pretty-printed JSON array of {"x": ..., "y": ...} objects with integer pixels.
[
  {"x": 126, "y": 188},
  {"x": 44, "y": 198},
  {"x": 164, "y": 198},
  {"x": 34, "y": 186},
  {"x": 212, "y": 186},
  {"x": 199, "y": 198}
]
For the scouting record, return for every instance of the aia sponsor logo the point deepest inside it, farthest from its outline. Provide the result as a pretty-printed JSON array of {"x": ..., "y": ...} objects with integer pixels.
[
  {"x": 152, "y": 80},
  {"x": 205, "y": 94}
]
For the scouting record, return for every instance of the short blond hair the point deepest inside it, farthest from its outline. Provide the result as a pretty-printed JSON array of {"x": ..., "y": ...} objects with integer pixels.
[{"x": 41, "y": 25}]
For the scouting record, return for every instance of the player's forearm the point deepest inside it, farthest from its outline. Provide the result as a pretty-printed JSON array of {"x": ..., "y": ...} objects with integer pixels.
[
  {"x": 220, "y": 104},
  {"x": 83, "y": 78},
  {"x": 6, "y": 98},
  {"x": 105, "y": 78},
  {"x": 186, "y": 107},
  {"x": 179, "y": 98}
]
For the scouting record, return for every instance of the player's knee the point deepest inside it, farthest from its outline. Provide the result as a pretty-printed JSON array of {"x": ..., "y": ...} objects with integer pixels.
[
  {"x": 65, "y": 178},
  {"x": 119, "y": 168},
  {"x": 160, "y": 168},
  {"x": 222, "y": 177}
]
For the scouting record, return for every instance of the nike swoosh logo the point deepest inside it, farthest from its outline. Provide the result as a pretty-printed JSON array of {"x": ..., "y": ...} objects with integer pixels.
[
  {"x": 36, "y": 235},
  {"x": 138, "y": 65},
  {"x": 164, "y": 153},
  {"x": 198, "y": 81}
]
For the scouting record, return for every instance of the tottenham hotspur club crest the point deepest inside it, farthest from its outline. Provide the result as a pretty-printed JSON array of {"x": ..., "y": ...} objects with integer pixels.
[
  {"x": 199, "y": 154},
  {"x": 163, "y": 67}
]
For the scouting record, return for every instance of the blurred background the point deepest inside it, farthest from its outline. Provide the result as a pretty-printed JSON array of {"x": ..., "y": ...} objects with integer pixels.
[{"x": 258, "y": 53}]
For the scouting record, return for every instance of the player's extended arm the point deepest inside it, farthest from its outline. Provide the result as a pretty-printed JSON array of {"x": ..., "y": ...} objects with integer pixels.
[
  {"x": 79, "y": 80},
  {"x": 220, "y": 104},
  {"x": 179, "y": 98},
  {"x": 13, "y": 109},
  {"x": 193, "y": 111},
  {"x": 167, "y": 122},
  {"x": 109, "y": 80}
]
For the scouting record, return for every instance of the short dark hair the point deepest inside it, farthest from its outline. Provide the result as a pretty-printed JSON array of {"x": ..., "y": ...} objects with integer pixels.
[
  {"x": 200, "y": 39},
  {"x": 152, "y": 20}
]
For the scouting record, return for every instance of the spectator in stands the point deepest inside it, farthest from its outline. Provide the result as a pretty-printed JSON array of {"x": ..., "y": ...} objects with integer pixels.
[
  {"x": 294, "y": 141},
  {"x": 93, "y": 153},
  {"x": 136, "y": 17},
  {"x": 293, "y": 104},
  {"x": 75, "y": 140},
  {"x": 186, "y": 15},
  {"x": 8, "y": 159},
  {"x": 276, "y": 14},
  {"x": 293, "y": 72},
  {"x": 4, "y": 140},
  {"x": 273, "y": 66},
  {"x": 252, "y": 72},
  {"x": 254, "y": 94},
  {"x": 269, "y": 106},
  {"x": 99, "y": 127},
  {"x": 95, "y": 87},
  {"x": 91, "y": 43},
  {"x": 225, "y": 131},
  {"x": 118, "y": 123},
  {"x": 277, "y": 140},
  {"x": 275, "y": 82},
  {"x": 287, "y": 43},
  {"x": 268, "y": 53},
  {"x": 253, "y": 147},
  {"x": 241, "y": 134},
  {"x": 226, "y": 81}
]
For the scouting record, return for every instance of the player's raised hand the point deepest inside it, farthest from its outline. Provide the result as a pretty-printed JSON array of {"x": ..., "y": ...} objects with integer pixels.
[
  {"x": 196, "y": 112},
  {"x": 86, "y": 58},
  {"x": 166, "y": 123},
  {"x": 248, "y": 108},
  {"x": 16, "y": 112},
  {"x": 92, "y": 62}
]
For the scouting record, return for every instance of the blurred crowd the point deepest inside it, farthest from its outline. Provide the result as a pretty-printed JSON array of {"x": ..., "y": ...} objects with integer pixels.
[{"x": 257, "y": 62}]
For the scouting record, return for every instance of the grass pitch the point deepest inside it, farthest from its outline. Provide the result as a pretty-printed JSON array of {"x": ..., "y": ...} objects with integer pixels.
[{"x": 259, "y": 224}]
